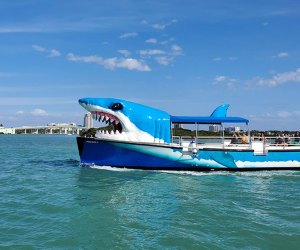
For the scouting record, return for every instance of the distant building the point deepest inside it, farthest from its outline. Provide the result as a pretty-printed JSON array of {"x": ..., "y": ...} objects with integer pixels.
[
  {"x": 213, "y": 128},
  {"x": 178, "y": 125},
  {"x": 4, "y": 130},
  {"x": 61, "y": 124},
  {"x": 232, "y": 129},
  {"x": 88, "y": 120}
]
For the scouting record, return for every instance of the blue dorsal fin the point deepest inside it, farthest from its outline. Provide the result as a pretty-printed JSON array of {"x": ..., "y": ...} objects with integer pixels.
[{"x": 220, "y": 111}]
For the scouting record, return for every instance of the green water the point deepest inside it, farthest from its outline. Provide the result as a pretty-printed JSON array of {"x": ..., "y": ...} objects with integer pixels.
[{"x": 49, "y": 202}]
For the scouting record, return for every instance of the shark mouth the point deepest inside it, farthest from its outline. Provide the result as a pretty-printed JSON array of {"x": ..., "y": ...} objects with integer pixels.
[
  {"x": 110, "y": 120},
  {"x": 121, "y": 128}
]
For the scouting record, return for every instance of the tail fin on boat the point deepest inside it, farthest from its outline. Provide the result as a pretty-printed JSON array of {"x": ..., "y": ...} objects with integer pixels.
[{"x": 220, "y": 111}]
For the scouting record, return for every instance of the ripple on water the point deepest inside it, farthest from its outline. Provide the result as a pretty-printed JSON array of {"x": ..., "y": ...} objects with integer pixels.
[{"x": 48, "y": 201}]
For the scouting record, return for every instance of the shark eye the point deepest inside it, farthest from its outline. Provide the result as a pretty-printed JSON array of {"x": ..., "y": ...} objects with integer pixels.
[{"x": 117, "y": 106}]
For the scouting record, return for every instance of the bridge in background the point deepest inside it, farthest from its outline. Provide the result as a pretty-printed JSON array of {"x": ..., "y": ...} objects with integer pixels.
[{"x": 50, "y": 129}]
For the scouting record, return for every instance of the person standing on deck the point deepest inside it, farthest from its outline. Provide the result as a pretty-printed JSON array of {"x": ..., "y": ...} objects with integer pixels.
[{"x": 244, "y": 139}]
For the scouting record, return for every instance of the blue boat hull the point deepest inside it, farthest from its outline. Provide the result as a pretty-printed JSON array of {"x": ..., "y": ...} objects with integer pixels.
[{"x": 165, "y": 157}]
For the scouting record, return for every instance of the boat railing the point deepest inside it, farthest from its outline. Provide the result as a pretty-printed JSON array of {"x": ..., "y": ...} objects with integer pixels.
[
  {"x": 284, "y": 141},
  {"x": 231, "y": 141},
  {"x": 201, "y": 140}
]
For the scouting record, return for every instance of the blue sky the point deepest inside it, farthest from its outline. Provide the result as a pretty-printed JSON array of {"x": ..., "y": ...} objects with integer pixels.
[{"x": 185, "y": 57}]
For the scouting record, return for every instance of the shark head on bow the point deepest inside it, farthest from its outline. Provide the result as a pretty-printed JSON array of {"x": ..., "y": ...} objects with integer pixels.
[{"x": 129, "y": 121}]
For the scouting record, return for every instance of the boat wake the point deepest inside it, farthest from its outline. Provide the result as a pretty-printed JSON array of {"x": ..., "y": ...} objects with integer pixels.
[
  {"x": 263, "y": 174},
  {"x": 109, "y": 168}
]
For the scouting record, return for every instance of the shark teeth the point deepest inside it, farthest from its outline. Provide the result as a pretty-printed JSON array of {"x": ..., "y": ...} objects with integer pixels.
[{"x": 108, "y": 119}]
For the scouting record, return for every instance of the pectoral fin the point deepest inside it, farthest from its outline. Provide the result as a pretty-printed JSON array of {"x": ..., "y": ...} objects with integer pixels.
[{"x": 223, "y": 158}]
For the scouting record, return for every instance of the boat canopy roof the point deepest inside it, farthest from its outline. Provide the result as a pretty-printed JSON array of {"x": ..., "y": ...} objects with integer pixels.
[
  {"x": 218, "y": 116},
  {"x": 207, "y": 120}
]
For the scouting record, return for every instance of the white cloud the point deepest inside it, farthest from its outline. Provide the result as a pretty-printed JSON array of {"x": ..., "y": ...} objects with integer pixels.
[
  {"x": 151, "y": 40},
  {"x": 217, "y": 59},
  {"x": 144, "y": 22},
  {"x": 230, "y": 82},
  {"x": 128, "y": 35},
  {"x": 278, "y": 116},
  {"x": 86, "y": 59},
  {"x": 284, "y": 114},
  {"x": 176, "y": 50},
  {"x": 164, "y": 42},
  {"x": 231, "y": 58},
  {"x": 54, "y": 53},
  {"x": 20, "y": 112},
  {"x": 51, "y": 53},
  {"x": 112, "y": 63},
  {"x": 124, "y": 52},
  {"x": 162, "y": 26},
  {"x": 131, "y": 64},
  {"x": 290, "y": 76},
  {"x": 151, "y": 52},
  {"x": 38, "y": 112},
  {"x": 159, "y": 26},
  {"x": 288, "y": 114},
  {"x": 163, "y": 57},
  {"x": 38, "y": 48},
  {"x": 281, "y": 55},
  {"x": 164, "y": 60},
  {"x": 220, "y": 78},
  {"x": 20, "y": 29}
]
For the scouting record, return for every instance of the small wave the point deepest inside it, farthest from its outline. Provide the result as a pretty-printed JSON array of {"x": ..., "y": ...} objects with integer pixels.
[
  {"x": 194, "y": 173},
  {"x": 181, "y": 172},
  {"x": 109, "y": 168},
  {"x": 259, "y": 173},
  {"x": 263, "y": 173},
  {"x": 177, "y": 172},
  {"x": 66, "y": 162},
  {"x": 269, "y": 173}
]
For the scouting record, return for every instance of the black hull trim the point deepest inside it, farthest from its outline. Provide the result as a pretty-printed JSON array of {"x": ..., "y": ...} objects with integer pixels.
[{"x": 203, "y": 169}]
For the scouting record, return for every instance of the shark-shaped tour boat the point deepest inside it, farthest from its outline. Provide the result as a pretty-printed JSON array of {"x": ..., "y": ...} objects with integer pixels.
[{"x": 141, "y": 138}]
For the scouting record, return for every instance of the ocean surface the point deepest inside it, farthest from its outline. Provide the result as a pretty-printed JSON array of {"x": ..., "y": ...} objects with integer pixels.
[{"x": 47, "y": 201}]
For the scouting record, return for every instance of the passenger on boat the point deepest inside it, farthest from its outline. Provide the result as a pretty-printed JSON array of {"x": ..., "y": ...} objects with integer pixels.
[
  {"x": 261, "y": 137},
  {"x": 287, "y": 139},
  {"x": 234, "y": 139},
  {"x": 193, "y": 146},
  {"x": 297, "y": 138},
  {"x": 244, "y": 139},
  {"x": 278, "y": 140}
]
